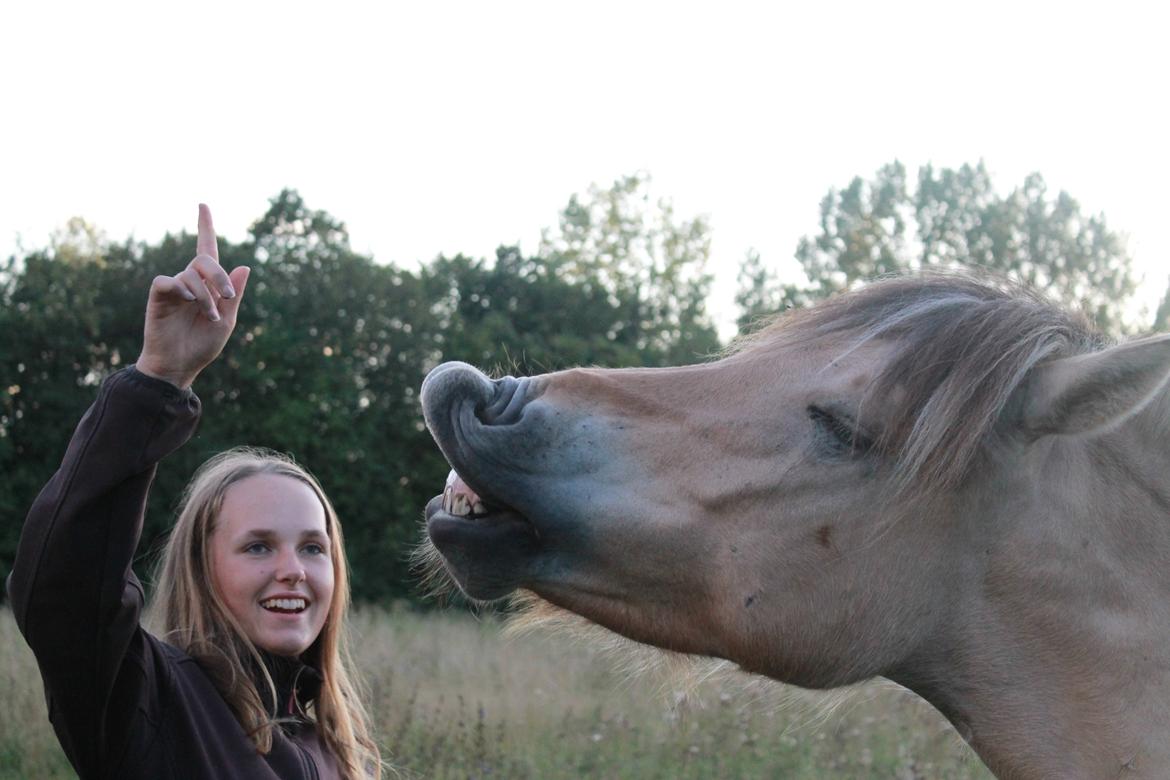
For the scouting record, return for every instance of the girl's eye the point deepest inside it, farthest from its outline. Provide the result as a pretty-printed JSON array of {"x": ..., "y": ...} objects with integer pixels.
[
  {"x": 314, "y": 549},
  {"x": 838, "y": 433},
  {"x": 255, "y": 548}
]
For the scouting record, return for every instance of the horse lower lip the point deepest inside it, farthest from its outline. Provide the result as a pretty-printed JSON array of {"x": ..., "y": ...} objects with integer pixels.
[{"x": 489, "y": 556}]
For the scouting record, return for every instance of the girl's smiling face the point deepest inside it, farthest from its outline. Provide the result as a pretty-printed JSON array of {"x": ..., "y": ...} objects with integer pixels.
[{"x": 271, "y": 562}]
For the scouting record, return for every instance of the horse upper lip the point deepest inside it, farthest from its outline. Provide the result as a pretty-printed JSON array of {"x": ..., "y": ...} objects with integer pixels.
[
  {"x": 508, "y": 405},
  {"x": 465, "y": 412},
  {"x": 457, "y": 393},
  {"x": 445, "y": 387}
]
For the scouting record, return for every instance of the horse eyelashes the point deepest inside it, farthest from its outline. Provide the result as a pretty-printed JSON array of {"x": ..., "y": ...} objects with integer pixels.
[{"x": 841, "y": 434}]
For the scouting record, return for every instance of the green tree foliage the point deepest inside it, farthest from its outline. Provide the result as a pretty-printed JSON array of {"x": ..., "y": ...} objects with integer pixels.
[
  {"x": 330, "y": 351},
  {"x": 1162, "y": 318},
  {"x": 64, "y": 324},
  {"x": 651, "y": 265},
  {"x": 516, "y": 316},
  {"x": 950, "y": 218},
  {"x": 760, "y": 293}
]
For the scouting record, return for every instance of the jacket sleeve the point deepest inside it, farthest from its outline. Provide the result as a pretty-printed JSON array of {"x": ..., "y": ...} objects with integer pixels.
[{"x": 72, "y": 590}]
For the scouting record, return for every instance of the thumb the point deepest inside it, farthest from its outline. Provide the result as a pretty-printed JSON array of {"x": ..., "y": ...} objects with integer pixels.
[{"x": 239, "y": 278}]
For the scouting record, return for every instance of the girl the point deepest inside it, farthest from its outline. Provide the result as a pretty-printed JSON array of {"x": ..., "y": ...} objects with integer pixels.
[{"x": 248, "y": 676}]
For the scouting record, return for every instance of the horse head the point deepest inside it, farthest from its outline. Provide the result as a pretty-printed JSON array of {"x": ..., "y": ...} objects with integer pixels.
[{"x": 949, "y": 483}]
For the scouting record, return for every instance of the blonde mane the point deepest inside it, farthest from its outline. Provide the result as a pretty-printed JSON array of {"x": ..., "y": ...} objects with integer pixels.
[{"x": 965, "y": 343}]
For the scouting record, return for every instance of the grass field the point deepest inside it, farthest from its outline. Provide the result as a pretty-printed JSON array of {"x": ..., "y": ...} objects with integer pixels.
[{"x": 453, "y": 698}]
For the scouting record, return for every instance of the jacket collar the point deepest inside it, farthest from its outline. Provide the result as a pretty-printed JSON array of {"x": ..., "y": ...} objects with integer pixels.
[{"x": 297, "y": 685}]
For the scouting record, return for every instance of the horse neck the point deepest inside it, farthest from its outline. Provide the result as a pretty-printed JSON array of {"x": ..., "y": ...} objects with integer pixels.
[{"x": 1059, "y": 658}]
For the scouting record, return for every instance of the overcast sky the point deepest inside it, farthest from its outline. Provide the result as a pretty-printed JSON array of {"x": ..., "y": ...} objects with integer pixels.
[{"x": 435, "y": 127}]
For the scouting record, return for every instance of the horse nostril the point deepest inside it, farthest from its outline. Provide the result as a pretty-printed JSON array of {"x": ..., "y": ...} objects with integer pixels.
[{"x": 505, "y": 408}]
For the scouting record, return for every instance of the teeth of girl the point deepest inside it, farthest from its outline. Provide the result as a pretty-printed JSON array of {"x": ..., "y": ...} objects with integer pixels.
[
  {"x": 283, "y": 604},
  {"x": 478, "y": 508}
]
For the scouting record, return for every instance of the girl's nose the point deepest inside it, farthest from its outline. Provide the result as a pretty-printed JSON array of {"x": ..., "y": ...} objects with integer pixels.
[{"x": 290, "y": 569}]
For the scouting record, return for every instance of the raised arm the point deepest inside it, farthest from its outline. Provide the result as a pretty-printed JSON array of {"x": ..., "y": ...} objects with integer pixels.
[{"x": 73, "y": 593}]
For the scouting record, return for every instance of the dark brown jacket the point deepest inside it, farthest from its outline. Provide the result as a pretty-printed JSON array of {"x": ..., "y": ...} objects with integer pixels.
[{"x": 123, "y": 703}]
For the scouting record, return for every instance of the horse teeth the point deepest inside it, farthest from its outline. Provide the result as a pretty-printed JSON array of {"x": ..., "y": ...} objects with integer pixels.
[
  {"x": 460, "y": 506},
  {"x": 458, "y": 499}
]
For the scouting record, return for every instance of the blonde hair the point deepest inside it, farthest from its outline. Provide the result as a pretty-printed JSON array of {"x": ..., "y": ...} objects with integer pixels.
[{"x": 187, "y": 612}]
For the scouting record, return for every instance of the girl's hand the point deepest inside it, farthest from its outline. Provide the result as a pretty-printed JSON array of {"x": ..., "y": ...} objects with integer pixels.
[{"x": 190, "y": 315}]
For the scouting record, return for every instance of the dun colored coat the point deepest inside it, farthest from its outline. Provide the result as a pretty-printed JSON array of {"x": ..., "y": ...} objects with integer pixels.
[{"x": 945, "y": 482}]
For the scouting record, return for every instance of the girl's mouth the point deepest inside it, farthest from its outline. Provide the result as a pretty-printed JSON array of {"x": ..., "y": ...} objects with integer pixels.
[{"x": 285, "y": 606}]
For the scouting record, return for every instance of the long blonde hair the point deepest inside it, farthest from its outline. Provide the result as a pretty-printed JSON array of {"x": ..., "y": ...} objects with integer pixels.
[{"x": 187, "y": 612}]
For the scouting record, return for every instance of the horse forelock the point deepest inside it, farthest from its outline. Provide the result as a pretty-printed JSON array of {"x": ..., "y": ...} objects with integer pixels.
[{"x": 963, "y": 343}]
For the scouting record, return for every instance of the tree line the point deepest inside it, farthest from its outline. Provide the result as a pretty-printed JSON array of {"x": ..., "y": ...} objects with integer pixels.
[{"x": 331, "y": 347}]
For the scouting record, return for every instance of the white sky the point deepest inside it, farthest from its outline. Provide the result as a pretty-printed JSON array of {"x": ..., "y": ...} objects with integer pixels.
[{"x": 434, "y": 127}]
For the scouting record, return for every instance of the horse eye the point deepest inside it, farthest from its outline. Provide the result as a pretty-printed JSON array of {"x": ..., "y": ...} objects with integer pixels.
[{"x": 841, "y": 434}]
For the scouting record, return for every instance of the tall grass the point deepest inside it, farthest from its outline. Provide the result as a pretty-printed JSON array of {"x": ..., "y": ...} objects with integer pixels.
[
  {"x": 452, "y": 698},
  {"x": 28, "y": 748}
]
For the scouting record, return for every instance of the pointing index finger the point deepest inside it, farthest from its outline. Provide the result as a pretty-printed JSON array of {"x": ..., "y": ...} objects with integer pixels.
[{"x": 205, "y": 244}]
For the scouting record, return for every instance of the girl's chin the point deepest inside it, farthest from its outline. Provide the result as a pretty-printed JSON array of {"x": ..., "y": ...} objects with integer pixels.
[
  {"x": 283, "y": 642},
  {"x": 283, "y": 647}
]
